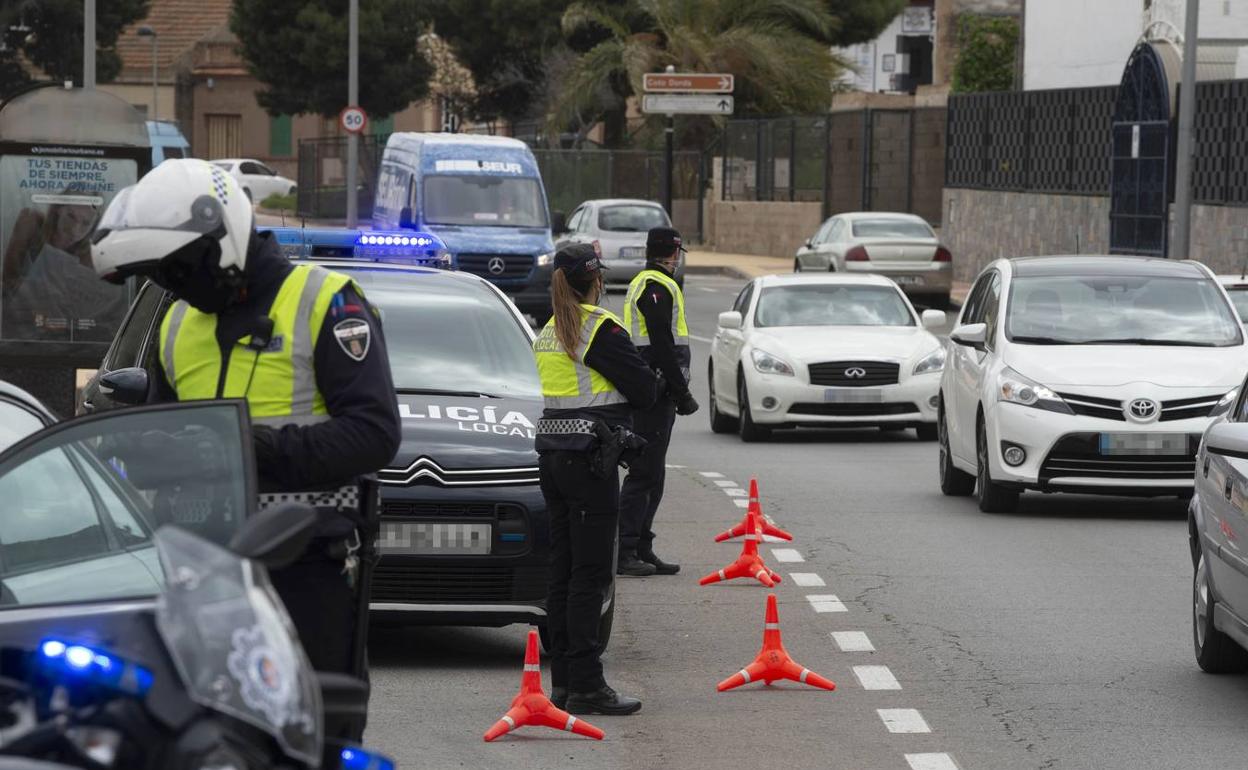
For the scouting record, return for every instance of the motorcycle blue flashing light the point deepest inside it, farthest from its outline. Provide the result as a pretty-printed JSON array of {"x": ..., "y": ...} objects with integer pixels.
[
  {"x": 94, "y": 666},
  {"x": 404, "y": 248},
  {"x": 356, "y": 758}
]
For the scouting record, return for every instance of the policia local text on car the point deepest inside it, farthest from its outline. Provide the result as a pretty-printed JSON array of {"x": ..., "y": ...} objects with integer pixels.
[
  {"x": 592, "y": 380},
  {"x": 299, "y": 343},
  {"x": 654, "y": 313}
]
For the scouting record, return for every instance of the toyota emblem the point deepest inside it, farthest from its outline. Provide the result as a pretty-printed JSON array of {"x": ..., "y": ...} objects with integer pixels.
[
  {"x": 496, "y": 265},
  {"x": 1142, "y": 410},
  {"x": 855, "y": 372}
]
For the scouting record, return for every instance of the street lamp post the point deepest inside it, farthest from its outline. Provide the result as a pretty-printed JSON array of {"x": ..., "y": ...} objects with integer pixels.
[
  {"x": 88, "y": 44},
  {"x": 353, "y": 96},
  {"x": 146, "y": 31}
]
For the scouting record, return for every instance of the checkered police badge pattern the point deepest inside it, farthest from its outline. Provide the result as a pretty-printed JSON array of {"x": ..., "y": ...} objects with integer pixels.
[
  {"x": 342, "y": 497},
  {"x": 220, "y": 186}
]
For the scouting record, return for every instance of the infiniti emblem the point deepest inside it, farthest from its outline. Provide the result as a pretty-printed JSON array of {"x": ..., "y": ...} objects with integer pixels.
[
  {"x": 496, "y": 265},
  {"x": 855, "y": 372},
  {"x": 1142, "y": 410}
]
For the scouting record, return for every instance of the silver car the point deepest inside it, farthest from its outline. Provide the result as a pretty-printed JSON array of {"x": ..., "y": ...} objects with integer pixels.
[
  {"x": 902, "y": 247},
  {"x": 620, "y": 226}
]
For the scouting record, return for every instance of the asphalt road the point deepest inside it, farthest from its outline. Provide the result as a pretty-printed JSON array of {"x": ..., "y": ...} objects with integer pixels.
[{"x": 1057, "y": 637}]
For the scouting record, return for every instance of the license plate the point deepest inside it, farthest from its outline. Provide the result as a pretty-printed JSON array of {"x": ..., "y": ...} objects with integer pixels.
[
  {"x": 415, "y": 538},
  {"x": 1143, "y": 443},
  {"x": 908, "y": 280},
  {"x": 853, "y": 395},
  {"x": 632, "y": 252}
]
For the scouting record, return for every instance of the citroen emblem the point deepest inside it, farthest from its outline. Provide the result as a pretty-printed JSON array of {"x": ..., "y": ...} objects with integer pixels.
[
  {"x": 855, "y": 372},
  {"x": 496, "y": 265},
  {"x": 1142, "y": 410}
]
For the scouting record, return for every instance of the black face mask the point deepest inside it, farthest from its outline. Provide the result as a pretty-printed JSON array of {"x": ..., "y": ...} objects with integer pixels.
[{"x": 193, "y": 273}]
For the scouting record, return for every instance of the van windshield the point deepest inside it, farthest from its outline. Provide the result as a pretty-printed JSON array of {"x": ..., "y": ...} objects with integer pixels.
[{"x": 484, "y": 201}]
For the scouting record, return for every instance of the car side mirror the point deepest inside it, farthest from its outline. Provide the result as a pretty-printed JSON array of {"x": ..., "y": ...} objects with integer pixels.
[
  {"x": 558, "y": 223},
  {"x": 730, "y": 320},
  {"x": 276, "y": 537},
  {"x": 970, "y": 335},
  {"x": 405, "y": 217},
  {"x": 810, "y": 244},
  {"x": 933, "y": 319},
  {"x": 126, "y": 386},
  {"x": 1229, "y": 439}
]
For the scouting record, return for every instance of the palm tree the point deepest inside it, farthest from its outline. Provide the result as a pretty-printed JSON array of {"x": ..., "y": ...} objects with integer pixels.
[{"x": 776, "y": 49}]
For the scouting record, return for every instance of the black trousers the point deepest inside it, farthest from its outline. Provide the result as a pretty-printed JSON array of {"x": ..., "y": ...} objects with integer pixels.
[
  {"x": 584, "y": 517},
  {"x": 643, "y": 487},
  {"x": 322, "y": 606}
]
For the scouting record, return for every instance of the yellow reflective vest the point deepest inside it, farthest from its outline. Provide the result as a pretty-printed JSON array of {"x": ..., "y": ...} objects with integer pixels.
[
  {"x": 567, "y": 382},
  {"x": 635, "y": 322}
]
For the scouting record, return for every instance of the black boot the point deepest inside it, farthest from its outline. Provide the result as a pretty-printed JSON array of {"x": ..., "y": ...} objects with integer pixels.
[
  {"x": 660, "y": 567},
  {"x": 559, "y": 697},
  {"x": 632, "y": 566},
  {"x": 602, "y": 701}
]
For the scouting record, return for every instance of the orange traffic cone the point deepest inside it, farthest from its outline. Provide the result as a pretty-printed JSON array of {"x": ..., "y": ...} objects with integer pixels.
[
  {"x": 773, "y": 661},
  {"x": 748, "y": 564},
  {"x": 755, "y": 510},
  {"x": 532, "y": 707}
]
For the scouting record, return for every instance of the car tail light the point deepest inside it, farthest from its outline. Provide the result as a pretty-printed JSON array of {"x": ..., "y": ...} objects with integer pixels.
[
  {"x": 857, "y": 254},
  {"x": 942, "y": 255}
]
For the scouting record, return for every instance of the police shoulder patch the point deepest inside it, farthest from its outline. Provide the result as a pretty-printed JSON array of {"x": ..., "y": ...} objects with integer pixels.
[{"x": 354, "y": 336}]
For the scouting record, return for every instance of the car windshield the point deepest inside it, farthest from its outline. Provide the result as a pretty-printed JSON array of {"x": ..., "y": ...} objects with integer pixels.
[
  {"x": 83, "y": 501},
  {"x": 891, "y": 228},
  {"x": 1239, "y": 298},
  {"x": 1119, "y": 310},
  {"x": 631, "y": 219},
  {"x": 831, "y": 305},
  {"x": 446, "y": 335},
  {"x": 488, "y": 201}
]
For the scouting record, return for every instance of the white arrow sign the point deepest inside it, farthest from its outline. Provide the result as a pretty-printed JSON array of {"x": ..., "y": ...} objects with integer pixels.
[{"x": 687, "y": 104}]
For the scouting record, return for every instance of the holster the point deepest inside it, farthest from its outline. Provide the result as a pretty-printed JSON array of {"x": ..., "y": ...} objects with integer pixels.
[{"x": 616, "y": 447}]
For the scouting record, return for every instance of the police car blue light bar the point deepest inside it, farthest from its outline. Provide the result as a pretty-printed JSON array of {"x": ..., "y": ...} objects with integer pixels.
[
  {"x": 405, "y": 248},
  {"x": 82, "y": 663}
]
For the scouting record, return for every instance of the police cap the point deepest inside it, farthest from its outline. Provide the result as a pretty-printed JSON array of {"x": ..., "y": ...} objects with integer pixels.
[{"x": 661, "y": 241}]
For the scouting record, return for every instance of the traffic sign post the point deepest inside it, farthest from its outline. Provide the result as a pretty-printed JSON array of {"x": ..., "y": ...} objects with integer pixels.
[
  {"x": 685, "y": 93},
  {"x": 687, "y": 83},
  {"x": 354, "y": 120},
  {"x": 688, "y": 104}
]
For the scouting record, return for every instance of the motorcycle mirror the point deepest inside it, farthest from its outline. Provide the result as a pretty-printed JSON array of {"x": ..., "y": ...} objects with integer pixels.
[{"x": 277, "y": 536}]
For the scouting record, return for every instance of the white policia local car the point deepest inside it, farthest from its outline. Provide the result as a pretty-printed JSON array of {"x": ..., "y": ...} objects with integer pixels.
[
  {"x": 1085, "y": 374},
  {"x": 824, "y": 351}
]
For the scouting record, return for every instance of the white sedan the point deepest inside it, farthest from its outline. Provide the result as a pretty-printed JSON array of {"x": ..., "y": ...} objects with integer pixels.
[
  {"x": 1237, "y": 289},
  {"x": 824, "y": 351},
  {"x": 257, "y": 180}
]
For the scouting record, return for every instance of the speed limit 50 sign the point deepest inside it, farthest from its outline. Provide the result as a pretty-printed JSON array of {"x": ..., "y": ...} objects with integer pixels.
[{"x": 353, "y": 120}]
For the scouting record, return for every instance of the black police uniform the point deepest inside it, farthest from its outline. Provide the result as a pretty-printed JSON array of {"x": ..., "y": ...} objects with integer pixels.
[{"x": 361, "y": 437}]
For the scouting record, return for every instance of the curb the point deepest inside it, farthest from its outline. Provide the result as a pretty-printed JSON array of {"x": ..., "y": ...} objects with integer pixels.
[{"x": 731, "y": 272}]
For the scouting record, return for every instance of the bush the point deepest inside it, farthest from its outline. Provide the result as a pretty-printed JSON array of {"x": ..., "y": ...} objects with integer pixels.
[
  {"x": 987, "y": 49},
  {"x": 279, "y": 203}
]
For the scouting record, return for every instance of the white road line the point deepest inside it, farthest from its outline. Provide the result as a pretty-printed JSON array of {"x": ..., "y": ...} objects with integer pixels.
[
  {"x": 806, "y": 579},
  {"x": 711, "y": 474},
  {"x": 735, "y": 492},
  {"x": 931, "y": 762},
  {"x": 876, "y": 678},
  {"x": 708, "y": 288},
  {"x": 786, "y": 555},
  {"x": 700, "y": 339},
  {"x": 903, "y": 720},
  {"x": 853, "y": 641},
  {"x": 826, "y": 603},
  {"x": 675, "y": 467},
  {"x": 726, "y": 483},
  {"x": 742, "y": 503}
]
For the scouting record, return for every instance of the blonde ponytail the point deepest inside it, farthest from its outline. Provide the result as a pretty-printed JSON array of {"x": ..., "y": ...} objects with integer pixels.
[{"x": 566, "y": 304}]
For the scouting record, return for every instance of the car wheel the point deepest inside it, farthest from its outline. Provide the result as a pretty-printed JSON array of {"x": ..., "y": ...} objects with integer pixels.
[
  {"x": 1216, "y": 653},
  {"x": 292, "y": 191},
  {"x": 797, "y": 266},
  {"x": 925, "y": 431},
  {"x": 746, "y": 427},
  {"x": 247, "y": 192},
  {"x": 720, "y": 422},
  {"x": 954, "y": 482},
  {"x": 993, "y": 498}
]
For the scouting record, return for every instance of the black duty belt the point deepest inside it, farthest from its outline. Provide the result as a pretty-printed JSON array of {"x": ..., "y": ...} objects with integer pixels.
[{"x": 565, "y": 427}]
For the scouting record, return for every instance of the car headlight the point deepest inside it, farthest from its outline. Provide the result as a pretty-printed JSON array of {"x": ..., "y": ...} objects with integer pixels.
[
  {"x": 1017, "y": 389},
  {"x": 1224, "y": 404},
  {"x": 766, "y": 363},
  {"x": 932, "y": 362},
  {"x": 544, "y": 260}
]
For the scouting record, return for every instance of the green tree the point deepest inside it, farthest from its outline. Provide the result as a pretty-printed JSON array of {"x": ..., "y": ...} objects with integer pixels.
[
  {"x": 776, "y": 49},
  {"x": 48, "y": 33},
  {"x": 298, "y": 49},
  {"x": 859, "y": 21},
  {"x": 987, "y": 52}
]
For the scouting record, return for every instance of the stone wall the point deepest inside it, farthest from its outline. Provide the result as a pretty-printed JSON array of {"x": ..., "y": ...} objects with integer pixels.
[
  {"x": 1220, "y": 237},
  {"x": 764, "y": 227}
]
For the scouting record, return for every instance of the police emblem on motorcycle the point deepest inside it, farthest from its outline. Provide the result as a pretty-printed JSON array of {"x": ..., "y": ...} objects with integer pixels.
[
  {"x": 263, "y": 680},
  {"x": 496, "y": 266},
  {"x": 354, "y": 336}
]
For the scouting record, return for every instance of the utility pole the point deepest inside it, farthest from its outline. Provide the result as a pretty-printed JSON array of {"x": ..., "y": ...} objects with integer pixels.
[
  {"x": 353, "y": 98},
  {"x": 88, "y": 44},
  {"x": 669, "y": 134},
  {"x": 1187, "y": 111},
  {"x": 146, "y": 31}
]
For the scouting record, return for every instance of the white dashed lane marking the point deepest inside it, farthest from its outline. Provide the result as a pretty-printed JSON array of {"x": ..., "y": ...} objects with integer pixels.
[
  {"x": 786, "y": 555},
  {"x": 735, "y": 492},
  {"x": 931, "y": 762},
  {"x": 807, "y": 579},
  {"x": 711, "y": 474},
  {"x": 725, "y": 483},
  {"x": 903, "y": 720},
  {"x": 826, "y": 603},
  {"x": 742, "y": 503},
  {"x": 853, "y": 641},
  {"x": 876, "y": 678}
]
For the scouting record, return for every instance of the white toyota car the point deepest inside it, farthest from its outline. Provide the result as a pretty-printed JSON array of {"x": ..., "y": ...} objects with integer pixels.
[
  {"x": 824, "y": 351},
  {"x": 1085, "y": 374}
]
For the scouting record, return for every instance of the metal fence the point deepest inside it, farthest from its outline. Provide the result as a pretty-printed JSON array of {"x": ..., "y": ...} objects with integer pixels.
[
  {"x": 863, "y": 160},
  {"x": 322, "y": 192}
]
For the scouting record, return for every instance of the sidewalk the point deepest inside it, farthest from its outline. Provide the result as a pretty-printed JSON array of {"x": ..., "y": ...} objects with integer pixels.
[{"x": 747, "y": 266}]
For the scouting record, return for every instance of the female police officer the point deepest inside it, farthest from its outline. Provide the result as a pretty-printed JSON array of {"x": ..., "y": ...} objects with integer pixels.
[{"x": 592, "y": 379}]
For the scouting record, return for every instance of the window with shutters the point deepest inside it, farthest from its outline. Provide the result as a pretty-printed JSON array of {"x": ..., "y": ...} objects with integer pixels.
[{"x": 225, "y": 135}]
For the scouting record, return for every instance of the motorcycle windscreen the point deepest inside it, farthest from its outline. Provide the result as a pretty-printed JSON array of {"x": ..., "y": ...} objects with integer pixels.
[{"x": 233, "y": 643}]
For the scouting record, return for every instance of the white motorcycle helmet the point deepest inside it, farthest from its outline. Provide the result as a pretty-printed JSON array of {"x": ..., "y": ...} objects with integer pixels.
[{"x": 176, "y": 203}]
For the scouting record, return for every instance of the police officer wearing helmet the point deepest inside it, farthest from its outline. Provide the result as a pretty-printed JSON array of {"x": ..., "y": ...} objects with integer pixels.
[
  {"x": 592, "y": 380},
  {"x": 299, "y": 343},
  {"x": 654, "y": 313}
]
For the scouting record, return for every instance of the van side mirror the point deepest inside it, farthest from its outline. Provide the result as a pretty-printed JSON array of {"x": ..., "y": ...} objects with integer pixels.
[
  {"x": 126, "y": 386},
  {"x": 278, "y": 536},
  {"x": 558, "y": 223},
  {"x": 1229, "y": 439},
  {"x": 970, "y": 335},
  {"x": 405, "y": 218}
]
